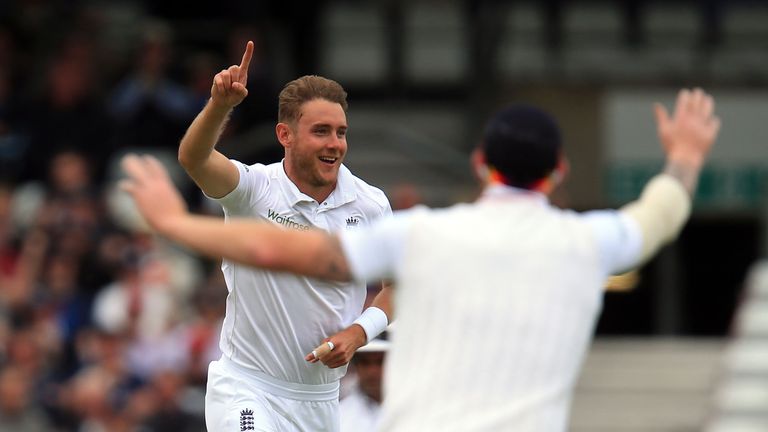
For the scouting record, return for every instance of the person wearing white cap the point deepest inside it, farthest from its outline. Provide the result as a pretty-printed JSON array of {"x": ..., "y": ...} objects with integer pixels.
[
  {"x": 360, "y": 410},
  {"x": 496, "y": 300}
]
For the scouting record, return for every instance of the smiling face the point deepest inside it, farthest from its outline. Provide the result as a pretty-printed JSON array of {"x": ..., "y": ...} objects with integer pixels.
[{"x": 315, "y": 146}]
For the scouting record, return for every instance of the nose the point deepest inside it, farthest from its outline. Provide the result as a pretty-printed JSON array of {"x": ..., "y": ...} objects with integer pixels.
[{"x": 337, "y": 142}]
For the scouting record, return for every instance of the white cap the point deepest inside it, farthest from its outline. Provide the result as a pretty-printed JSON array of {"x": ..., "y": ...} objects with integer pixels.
[{"x": 376, "y": 345}]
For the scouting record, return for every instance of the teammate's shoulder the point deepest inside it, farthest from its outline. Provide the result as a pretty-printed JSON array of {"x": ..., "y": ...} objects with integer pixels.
[{"x": 419, "y": 211}]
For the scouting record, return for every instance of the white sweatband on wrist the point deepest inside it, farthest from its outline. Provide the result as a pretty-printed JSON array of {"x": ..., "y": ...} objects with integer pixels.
[
  {"x": 661, "y": 211},
  {"x": 373, "y": 321}
]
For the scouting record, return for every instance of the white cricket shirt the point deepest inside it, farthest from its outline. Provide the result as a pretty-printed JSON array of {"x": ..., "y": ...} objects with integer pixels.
[
  {"x": 274, "y": 319},
  {"x": 496, "y": 304}
]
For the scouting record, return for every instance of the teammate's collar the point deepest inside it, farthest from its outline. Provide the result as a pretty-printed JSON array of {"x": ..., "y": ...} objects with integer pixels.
[{"x": 499, "y": 191}]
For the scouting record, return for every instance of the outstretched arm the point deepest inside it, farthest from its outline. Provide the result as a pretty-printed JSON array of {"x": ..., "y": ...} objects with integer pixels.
[
  {"x": 311, "y": 253},
  {"x": 687, "y": 137},
  {"x": 211, "y": 170}
]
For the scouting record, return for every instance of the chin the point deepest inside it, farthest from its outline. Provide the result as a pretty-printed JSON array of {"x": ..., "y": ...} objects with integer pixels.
[
  {"x": 328, "y": 175},
  {"x": 329, "y": 181},
  {"x": 325, "y": 180}
]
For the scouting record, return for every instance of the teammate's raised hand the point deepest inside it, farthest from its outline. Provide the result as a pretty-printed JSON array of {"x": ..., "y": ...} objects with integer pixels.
[
  {"x": 688, "y": 134},
  {"x": 148, "y": 182},
  {"x": 229, "y": 85}
]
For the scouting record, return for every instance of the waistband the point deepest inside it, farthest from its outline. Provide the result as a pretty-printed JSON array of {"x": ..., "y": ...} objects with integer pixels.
[{"x": 305, "y": 392}]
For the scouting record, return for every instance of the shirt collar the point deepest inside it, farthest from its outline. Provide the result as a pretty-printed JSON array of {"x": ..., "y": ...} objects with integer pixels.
[
  {"x": 499, "y": 192},
  {"x": 343, "y": 193}
]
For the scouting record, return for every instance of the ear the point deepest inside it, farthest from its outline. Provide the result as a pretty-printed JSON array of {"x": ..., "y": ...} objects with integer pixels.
[
  {"x": 561, "y": 170},
  {"x": 284, "y": 134},
  {"x": 479, "y": 167}
]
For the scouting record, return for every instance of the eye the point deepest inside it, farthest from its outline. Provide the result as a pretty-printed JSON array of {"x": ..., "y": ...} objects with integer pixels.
[{"x": 341, "y": 133}]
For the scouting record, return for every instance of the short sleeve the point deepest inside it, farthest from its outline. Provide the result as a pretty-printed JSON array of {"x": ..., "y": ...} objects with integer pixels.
[{"x": 251, "y": 187}]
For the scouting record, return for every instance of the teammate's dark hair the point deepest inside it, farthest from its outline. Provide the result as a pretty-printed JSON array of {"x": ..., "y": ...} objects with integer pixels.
[{"x": 522, "y": 143}]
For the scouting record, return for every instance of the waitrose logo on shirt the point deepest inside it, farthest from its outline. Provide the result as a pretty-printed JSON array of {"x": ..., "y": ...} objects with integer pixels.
[{"x": 285, "y": 221}]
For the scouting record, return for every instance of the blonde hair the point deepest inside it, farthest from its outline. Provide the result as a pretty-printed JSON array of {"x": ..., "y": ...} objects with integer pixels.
[{"x": 305, "y": 89}]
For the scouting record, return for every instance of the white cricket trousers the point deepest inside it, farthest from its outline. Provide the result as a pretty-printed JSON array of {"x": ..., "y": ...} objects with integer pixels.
[{"x": 240, "y": 400}]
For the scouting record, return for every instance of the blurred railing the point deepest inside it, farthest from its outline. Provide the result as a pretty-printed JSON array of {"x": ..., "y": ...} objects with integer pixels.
[{"x": 740, "y": 402}]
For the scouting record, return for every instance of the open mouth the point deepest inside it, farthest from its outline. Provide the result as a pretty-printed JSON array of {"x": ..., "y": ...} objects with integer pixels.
[{"x": 328, "y": 160}]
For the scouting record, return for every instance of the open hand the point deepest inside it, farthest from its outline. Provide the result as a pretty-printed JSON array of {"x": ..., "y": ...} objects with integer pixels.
[
  {"x": 690, "y": 132},
  {"x": 155, "y": 196}
]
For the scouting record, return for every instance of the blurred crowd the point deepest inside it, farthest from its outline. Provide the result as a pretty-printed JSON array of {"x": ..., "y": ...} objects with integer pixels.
[{"x": 103, "y": 327}]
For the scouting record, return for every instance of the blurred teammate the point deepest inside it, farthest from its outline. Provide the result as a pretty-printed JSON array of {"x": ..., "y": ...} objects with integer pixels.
[
  {"x": 496, "y": 300},
  {"x": 361, "y": 408},
  {"x": 274, "y": 319}
]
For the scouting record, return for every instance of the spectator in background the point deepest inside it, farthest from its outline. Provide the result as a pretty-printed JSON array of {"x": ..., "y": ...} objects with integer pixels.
[
  {"x": 63, "y": 307},
  {"x": 204, "y": 330},
  {"x": 7, "y": 250},
  {"x": 13, "y": 144},
  {"x": 200, "y": 67},
  {"x": 11, "y": 263},
  {"x": 96, "y": 396},
  {"x": 405, "y": 196},
  {"x": 25, "y": 266},
  {"x": 65, "y": 200},
  {"x": 150, "y": 106},
  {"x": 67, "y": 114},
  {"x": 64, "y": 216},
  {"x": 18, "y": 409},
  {"x": 141, "y": 306},
  {"x": 169, "y": 413},
  {"x": 361, "y": 408},
  {"x": 25, "y": 346}
]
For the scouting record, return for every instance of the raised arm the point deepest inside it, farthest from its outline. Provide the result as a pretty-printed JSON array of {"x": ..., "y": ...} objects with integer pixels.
[
  {"x": 311, "y": 253},
  {"x": 211, "y": 170},
  {"x": 687, "y": 137}
]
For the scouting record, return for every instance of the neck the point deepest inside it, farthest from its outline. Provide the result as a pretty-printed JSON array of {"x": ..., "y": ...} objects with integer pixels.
[{"x": 543, "y": 186}]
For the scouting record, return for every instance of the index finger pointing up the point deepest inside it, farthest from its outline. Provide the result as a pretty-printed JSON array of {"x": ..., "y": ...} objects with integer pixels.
[{"x": 247, "y": 56}]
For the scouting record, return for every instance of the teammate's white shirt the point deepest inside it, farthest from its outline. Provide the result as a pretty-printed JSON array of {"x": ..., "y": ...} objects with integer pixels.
[
  {"x": 274, "y": 319},
  {"x": 358, "y": 412},
  {"x": 496, "y": 304}
]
